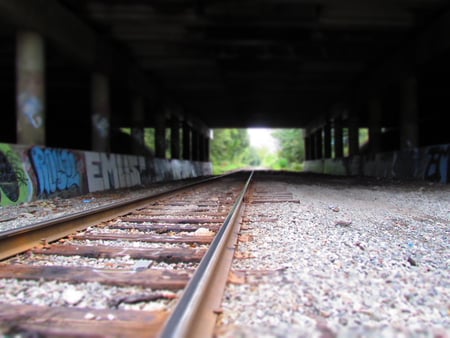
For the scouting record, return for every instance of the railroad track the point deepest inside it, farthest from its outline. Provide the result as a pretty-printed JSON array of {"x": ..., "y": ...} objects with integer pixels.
[{"x": 150, "y": 267}]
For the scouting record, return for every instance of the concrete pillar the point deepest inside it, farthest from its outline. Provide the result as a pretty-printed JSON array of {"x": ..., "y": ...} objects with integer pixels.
[
  {"x": 207, "y": 157},
  {"x": 311, "y": 142},
  {"x": 204, "y": 148},
  {"x": 327, "y": 140},
  {"x": 187, "y": 153},
  {"x": 160, "y": 136},
  {"x": 338, "y": 138},
  {"x": 375, "y": 114},
  {"x": 175, "y": 137},
  {"x": 201, "y": 147},
  {"x": 195, "y": 145},
  {"x": 30, "y": 86},
  {"x": 307, "y": 143},
  {"x": 318, "y": 145},
  {"x": 409, "y": 117},
  {"x": 137, "y": 131},
  {"x": 353, "y": 136},
  {"x": 101, "y": 112}
]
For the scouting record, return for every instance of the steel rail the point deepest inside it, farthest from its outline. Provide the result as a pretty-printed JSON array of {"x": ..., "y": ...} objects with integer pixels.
[
  {"x": 19, "y": 240},
  {"x": 196, "y": 311}
]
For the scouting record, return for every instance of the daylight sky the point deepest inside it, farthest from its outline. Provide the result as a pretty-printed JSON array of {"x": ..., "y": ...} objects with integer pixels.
[{"x": 260, "y": 137}]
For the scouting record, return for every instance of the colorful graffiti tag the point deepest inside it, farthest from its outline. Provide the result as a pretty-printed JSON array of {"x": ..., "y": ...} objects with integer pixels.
[
  {"x": 56, "y": 170},
  {"x": 112, "y": 171},
  {"x": 32, "y": 107},
  {"x": 28, "y": 173},
  {"x": 438, "y": 166},
  {"x": 15, "y": 184}
]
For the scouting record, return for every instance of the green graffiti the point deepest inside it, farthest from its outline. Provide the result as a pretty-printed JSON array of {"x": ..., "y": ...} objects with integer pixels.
[{"x": 15, "y": 183}]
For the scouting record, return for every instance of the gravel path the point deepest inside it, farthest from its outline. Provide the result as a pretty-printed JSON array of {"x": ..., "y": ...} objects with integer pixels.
[
  {"x": 351, "y": 260},
  {"x": 13, "y": 217}
]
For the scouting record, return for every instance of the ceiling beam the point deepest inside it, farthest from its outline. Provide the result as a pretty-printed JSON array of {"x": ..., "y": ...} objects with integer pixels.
[
  {"x": 429, "y": 43},
  {"x": 53, "y": 21},
  {"x": 74, "y": 38}
]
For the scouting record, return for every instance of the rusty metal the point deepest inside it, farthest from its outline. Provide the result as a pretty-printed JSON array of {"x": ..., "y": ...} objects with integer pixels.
[
  {"x": 19, "y": 240},
  {"x": 194, "y": 315},
  {"x": 213, "y": 268}
]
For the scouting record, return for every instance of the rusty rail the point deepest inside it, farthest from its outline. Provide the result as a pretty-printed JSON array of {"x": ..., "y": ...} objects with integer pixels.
[
  {"x": 19, "y": 240},
  {"x": 196, "y": 311}
]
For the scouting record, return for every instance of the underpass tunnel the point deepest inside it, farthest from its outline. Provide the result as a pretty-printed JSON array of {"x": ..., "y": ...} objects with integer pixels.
[{"x": 75, "y": 74}]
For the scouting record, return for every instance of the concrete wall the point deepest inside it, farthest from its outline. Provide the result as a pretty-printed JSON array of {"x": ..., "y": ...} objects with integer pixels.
[
  {"x": 34, "y": 172},
  {"x": 428, "y": 163}
]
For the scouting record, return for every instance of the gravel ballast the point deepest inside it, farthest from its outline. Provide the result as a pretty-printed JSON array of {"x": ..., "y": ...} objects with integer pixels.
[
  {"x": 18, "y": 216},
  {"x": 351, "y": 260}
]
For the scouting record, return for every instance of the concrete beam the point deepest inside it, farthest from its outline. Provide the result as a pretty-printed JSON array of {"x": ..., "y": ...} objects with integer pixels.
[
  {"x": 54, "y": 22},
  {"x": 433, "y": 40},
  {"x": 75, "y": 38},
  {"x": 429, "y": 43}
]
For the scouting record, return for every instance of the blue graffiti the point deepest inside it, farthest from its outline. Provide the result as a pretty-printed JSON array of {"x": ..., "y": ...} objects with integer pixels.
[
  {"x": 438, "y": 166},
  {"x": 32, "y": 107},
  {"x": 56, "y": 170}
]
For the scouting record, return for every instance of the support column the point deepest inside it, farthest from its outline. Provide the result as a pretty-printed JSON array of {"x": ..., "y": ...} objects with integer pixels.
[
  {"x": 308, "y": 145},
  {"x": 338, "y": 138},
  {"x": 375, "y": 114},
  {"x": 201, "y": 147},
  {"x": 175, "y": 138},
  {"x": 409, "y": 118},
  {"x": 204, "y": 148},
  {"x": 327, "y": 140},
  {"x": 187, "y": 154},
  {"x": 30, "y": 95},
  {"x": 353, "y": 136},
  {"x": 207, "y": 157},
  {"x": 318, "y": 145},
  {"x": 160, "y": 136},
  {"x": 137, "y": 131},
  {"x": 100, "y": 130},
  {"x": 195, "y": 145}
]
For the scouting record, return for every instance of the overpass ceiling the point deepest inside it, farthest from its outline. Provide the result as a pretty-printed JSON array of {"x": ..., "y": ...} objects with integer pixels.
[{"x": 241, "y": 63}]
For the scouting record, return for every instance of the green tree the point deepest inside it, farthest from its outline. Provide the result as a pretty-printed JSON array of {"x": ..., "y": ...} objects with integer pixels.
[
  {"x": 291, "y": 151},
  {"x": 149, "y": 138},
  {"x": 230, "y": 149}
]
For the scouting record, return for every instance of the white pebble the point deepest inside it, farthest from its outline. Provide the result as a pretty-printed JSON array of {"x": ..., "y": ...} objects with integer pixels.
[
  {"x": 72, "y": 296},
  {"x": 89, "y": 316}
]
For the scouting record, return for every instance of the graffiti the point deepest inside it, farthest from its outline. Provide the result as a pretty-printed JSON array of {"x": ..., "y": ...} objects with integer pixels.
[
  {"x": 438, "y": 166},
  {"x": 14, "y": 180},
  {"x": 406, "y": 164},
  {"x": 56, "y": 170},
  {"x": 39, "y": 172},
  {"x": 101, "y": 124},
  {"x": 182, "y": 169},
  {"x": 130, "y": 170},
  {"x": 147, "y": 171},
  {"x": 163, "y": 170},
  {"x": 112, "y": 171},
  {"x": 31, "y": 106}
]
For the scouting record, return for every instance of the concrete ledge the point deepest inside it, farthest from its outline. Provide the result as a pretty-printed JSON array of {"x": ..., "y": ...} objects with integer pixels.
[{"x": 34, "y": 172}]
